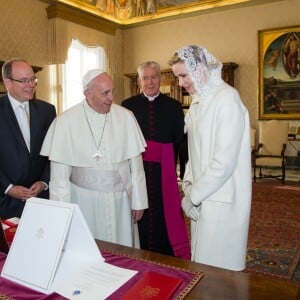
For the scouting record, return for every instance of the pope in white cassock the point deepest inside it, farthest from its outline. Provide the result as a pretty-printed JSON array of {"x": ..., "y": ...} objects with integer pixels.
[{"x": 95, "y": 151}]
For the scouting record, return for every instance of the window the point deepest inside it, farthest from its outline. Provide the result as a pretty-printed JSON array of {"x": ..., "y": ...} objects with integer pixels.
[{"x": 81, "y": 58}]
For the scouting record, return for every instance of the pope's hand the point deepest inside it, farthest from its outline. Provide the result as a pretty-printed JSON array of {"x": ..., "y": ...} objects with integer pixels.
[{"x": 189, "y": 208}]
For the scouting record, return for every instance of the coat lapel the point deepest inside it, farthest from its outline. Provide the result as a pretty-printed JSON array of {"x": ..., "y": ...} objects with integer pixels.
[{"x": 12, "y": 121}]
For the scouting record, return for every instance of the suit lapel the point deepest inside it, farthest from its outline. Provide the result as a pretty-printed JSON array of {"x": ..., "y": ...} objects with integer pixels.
[
  {"x": 34, "y": 123},
  {"x": 12, "y": 121}
]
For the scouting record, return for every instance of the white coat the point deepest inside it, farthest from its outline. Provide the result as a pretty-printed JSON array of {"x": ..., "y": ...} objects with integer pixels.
[{"x": 219, "y": 169}]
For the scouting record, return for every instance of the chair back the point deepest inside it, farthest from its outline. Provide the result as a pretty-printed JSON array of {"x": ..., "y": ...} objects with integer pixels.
[{"x": 272, "y": 134}]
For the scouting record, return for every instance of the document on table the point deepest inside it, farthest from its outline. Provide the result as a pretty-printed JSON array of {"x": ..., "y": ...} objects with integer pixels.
[
  {"x": 54, "y": 250},
  {"x": 93, "y": 281}
]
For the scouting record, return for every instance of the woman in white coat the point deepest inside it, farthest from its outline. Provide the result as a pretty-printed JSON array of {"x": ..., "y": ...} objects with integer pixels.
[{"x": 217, "y": 181}]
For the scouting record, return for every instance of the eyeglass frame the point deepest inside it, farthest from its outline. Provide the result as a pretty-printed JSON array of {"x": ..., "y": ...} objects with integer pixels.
[{"x": 25, "y": 80}]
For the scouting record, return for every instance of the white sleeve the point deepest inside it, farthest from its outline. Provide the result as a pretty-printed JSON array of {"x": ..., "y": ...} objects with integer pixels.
[
  {"x": 139, "y": 197},
  {"x": 59, "y": 185}
]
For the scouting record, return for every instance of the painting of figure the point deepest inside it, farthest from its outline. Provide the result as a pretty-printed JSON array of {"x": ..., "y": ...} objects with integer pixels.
[
  {"x": 291, "y": 54},
  {"x": 279, "y": 73}
]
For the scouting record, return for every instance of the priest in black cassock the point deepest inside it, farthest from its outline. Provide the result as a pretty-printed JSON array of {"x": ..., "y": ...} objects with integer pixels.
[{"x": 162, "y": 228}]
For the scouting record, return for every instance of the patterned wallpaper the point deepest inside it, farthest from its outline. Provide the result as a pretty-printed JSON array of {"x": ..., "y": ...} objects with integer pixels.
[{"x": 23, "y": 31}]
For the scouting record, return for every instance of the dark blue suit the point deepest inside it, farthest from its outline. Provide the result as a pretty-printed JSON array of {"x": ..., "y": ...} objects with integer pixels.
[{"x": 18, "y": 166}]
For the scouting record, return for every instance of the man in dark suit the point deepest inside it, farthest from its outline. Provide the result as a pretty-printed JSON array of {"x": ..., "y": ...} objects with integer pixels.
[{"x": 23, "y": 172}]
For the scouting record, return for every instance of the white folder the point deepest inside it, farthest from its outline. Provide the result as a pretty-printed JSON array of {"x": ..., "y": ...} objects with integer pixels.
[{"x": 54, "y": 250}]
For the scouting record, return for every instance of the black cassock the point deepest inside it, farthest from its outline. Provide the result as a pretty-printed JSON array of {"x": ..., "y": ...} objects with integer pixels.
[{"x": 161, "y": 120}]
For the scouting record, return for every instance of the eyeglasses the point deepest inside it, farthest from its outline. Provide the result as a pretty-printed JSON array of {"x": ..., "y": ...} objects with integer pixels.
[{"x": 26, "y": 80}]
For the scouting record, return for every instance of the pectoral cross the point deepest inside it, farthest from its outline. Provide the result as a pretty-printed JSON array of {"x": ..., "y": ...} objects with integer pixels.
[{"x": 97, "y": 155}]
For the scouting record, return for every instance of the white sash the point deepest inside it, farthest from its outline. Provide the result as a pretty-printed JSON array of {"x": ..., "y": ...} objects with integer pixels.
[{"x": 97, "y": 179}]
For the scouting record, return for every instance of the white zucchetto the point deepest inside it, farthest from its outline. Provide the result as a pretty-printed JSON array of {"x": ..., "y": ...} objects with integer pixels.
[{"x": 90, "y": 75}]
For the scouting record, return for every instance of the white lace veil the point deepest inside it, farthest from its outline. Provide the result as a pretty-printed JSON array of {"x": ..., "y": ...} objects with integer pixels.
[{"x": 203, "y": 68}]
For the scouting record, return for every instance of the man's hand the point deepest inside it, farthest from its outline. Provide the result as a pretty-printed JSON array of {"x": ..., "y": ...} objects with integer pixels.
[
  {"x": 23, "y": 193},
  {"x": 19, "y": 192},
  {"x": 137, "y": 215},
  {"x": 37, "y": 188}
]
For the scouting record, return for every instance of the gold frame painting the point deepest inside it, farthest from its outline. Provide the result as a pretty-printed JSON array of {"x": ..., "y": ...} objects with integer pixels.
[{"x": 279, "y": 73}]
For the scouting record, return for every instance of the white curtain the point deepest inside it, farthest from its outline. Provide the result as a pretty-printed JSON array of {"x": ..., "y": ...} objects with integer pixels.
[
  {"x": 60, "y": 36},
  {"x": 81, "y": 58}
]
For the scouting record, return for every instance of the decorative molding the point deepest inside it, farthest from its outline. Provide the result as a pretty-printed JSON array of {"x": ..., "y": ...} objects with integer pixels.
[
  {"x": 80, "y": 17},
  {"x": 128, "y": 14}
]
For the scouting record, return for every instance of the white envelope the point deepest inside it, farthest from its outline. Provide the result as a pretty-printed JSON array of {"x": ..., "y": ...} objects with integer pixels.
[{"x": 54, "y": 250}]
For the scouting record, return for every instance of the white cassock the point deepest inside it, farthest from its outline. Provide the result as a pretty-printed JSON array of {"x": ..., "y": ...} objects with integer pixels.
[{"x": 106, "y": 189}]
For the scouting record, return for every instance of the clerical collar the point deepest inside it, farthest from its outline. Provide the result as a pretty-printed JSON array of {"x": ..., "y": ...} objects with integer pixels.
[{"x": 151, "y": 98}]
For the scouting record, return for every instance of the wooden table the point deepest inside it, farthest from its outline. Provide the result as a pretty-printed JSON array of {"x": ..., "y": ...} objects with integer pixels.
[{"x": 217, "y": 283}]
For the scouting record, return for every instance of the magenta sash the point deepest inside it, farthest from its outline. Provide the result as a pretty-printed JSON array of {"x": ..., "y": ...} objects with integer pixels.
[{"x": 176, "y": 228}]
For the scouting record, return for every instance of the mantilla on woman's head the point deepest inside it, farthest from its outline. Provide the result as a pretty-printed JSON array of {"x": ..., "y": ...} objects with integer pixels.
[{"x": 201, "y": 65}]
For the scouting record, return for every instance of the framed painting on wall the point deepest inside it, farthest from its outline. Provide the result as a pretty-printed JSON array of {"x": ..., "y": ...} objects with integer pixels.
[{"x": 279, "y": 73}]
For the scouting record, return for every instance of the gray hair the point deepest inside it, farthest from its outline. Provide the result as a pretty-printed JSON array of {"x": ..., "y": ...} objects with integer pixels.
[
  {"x": 7, "y": 67},
  {"x": 148, "y": 64}
]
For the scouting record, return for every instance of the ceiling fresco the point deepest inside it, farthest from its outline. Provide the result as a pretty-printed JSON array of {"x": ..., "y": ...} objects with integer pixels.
[{"x": 134, "y": 11}]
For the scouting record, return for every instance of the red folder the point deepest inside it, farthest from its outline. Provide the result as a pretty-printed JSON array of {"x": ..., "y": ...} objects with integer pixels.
[
  {"x": 153, "y": 286},
  {"x": 10, "y": 231}
]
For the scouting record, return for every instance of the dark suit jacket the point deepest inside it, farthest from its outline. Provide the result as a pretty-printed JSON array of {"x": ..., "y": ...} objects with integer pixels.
[{"x": 18, "y": 166}]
